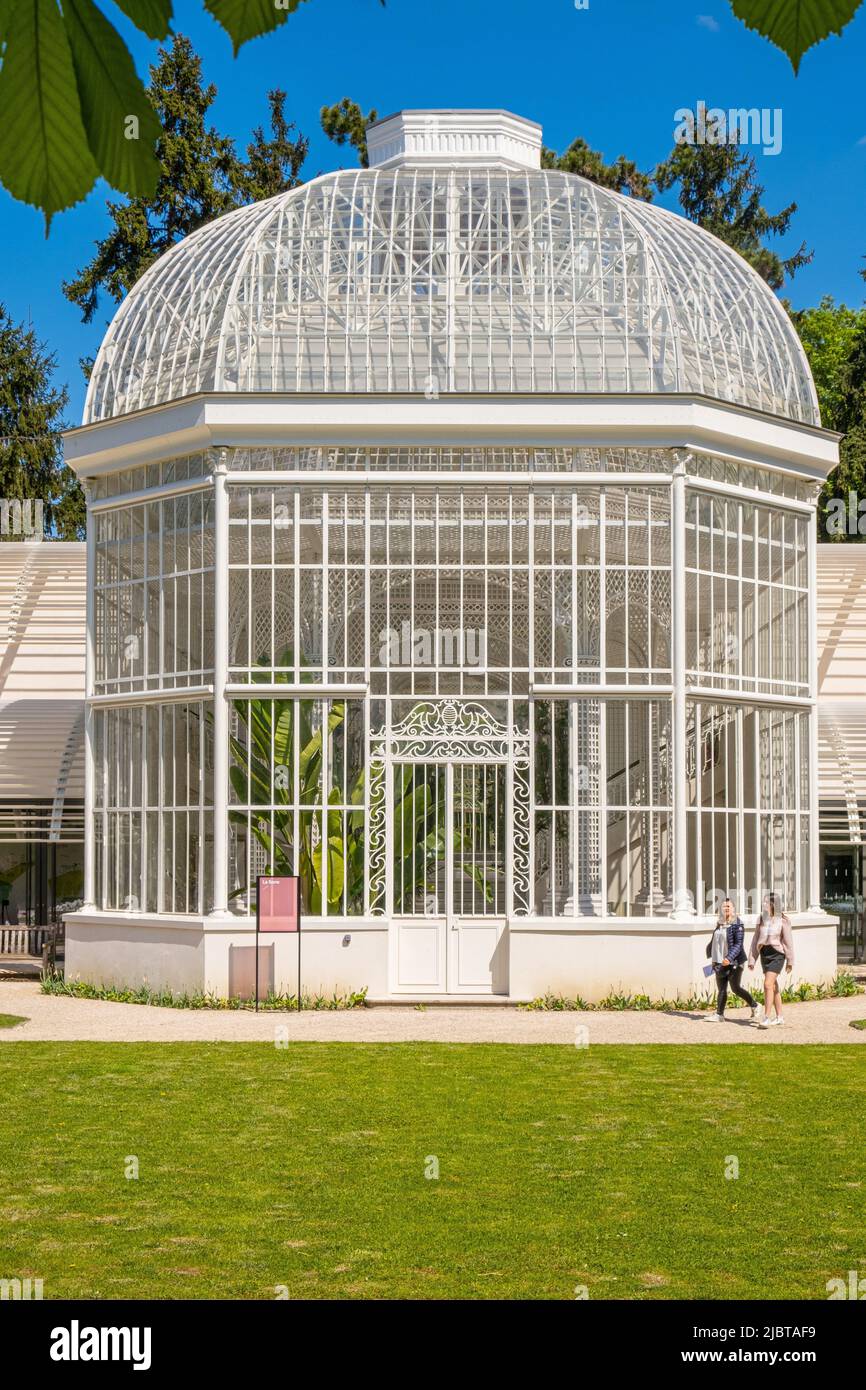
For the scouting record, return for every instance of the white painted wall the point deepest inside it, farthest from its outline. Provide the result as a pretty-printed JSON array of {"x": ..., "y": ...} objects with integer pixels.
[
  {"x": 107, "y": 949},
  {"x": 637, "y": 957}
]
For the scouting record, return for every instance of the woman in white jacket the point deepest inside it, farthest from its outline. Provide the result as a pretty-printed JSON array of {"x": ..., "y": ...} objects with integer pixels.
[{"x": 774, "y": 942}]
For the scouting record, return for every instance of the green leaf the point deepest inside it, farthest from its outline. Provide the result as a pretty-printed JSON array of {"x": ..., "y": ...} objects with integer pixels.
[
  {"x": 247, "y": 19},
  {"x": 152, "y": 17},
  {"x": 795, "y": 25},
  {"x": 122, "y": 126},
  {"x": 45, "y": 159}
]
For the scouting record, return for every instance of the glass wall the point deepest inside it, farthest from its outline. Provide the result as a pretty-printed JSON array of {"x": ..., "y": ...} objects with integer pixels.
[
  {"x": 153, "y": 817},
  {"x": 154, "y": 618},
  {"x": 540, "y": 611}
]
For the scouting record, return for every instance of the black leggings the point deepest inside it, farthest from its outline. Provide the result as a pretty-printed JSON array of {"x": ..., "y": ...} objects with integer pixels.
[{"x": 731, "y": 975}]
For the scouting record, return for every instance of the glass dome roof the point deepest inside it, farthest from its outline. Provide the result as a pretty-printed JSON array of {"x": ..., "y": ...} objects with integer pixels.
[{"x": 453, "y": 264}]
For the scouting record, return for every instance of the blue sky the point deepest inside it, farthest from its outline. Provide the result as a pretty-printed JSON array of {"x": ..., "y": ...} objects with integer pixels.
[{"x": 614, "y": 73}]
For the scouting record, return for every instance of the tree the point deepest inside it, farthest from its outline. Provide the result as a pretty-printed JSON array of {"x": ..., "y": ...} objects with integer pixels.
[
  {"x": 831, "y": 333},
  {"x": 834, "y": 338},
  {"x": 31, "y": 419},
  {"x": 718, "y": 189},
  {"x": 274, "y": 161},
  {"x": 200, "y": 177},
  {"x": 623, "y": 175},
  {"x": 346, "y": 124}
]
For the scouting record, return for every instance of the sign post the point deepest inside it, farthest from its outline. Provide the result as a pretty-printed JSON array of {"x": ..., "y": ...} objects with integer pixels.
[{"x": 278, "y": 908}]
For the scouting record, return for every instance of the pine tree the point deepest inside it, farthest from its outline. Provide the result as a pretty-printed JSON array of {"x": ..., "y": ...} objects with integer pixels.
[
  {"x": 202, "y": 177},
  {"x": 719, "y": 190},
  {"x": 31, "y": 419},
  {"x": 623, "y": 175},
  {"x": 346, "y": 124}
]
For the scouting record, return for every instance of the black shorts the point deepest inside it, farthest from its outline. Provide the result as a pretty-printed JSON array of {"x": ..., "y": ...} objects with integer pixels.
[{"x": 772, "y": 960}]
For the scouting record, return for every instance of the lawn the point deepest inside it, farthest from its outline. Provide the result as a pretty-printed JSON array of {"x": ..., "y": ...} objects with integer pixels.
[{"x": 305, "y": 1167}]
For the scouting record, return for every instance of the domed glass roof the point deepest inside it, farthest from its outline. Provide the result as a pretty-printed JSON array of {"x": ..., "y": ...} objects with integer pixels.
[{"x": 451, "y": 265}]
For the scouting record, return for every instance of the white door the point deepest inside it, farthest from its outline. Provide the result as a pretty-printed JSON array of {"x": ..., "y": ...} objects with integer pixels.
[
  {"x": 449, "y": 847},
  {"x": 476, "y": 910}
]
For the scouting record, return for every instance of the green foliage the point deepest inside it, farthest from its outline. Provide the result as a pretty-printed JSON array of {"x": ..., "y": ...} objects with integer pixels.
[
  {"x": 119, "y": 121},
  {"x": 326, "y": 862},
  {"x": 152, "y": 17},
  {"x": 623, "y": 175},
  {"x": 72, "y": 107},
  {"x": 167, "y": 999},
  {"x": 11, "y": 1020},
  {"x": 249, "y": 19},
  {"x": 718, "y": 189},
  {"x": 834, "y": 338},
  {"x": 795, "y": 25},
  {"x": 830, "y": 333},
  {"x": 274, "y": 160},
  {"x": 201, "y": 176},
  {"x": 45, "y": 158},
  {"x": 841, "y": 987},
  {"x": 346, "y": 124},
  {"x": 31, "y": 419}
]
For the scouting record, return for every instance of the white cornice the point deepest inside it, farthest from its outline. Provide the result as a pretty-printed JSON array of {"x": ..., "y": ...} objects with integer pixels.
[{"x": 669, "y": 421}]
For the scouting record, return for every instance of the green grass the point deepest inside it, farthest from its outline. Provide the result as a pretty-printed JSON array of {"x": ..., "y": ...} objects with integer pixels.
[
  {"x": 10, "y": 1020},
  {"x": 858, "y": 1023},
  {"x": 558, "y": 1166}
]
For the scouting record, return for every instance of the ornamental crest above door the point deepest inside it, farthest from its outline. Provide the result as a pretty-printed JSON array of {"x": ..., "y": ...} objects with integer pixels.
[{"x": 452, "y": 730}]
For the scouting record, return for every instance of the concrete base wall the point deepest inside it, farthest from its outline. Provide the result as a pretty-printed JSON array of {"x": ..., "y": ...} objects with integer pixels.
[
  {"x": 661, "y": 958},
  {"x": 198, "y": 954},
  {"x": 111, "y": 949}
]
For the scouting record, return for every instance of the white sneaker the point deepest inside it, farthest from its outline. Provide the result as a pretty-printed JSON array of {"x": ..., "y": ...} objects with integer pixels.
[
  {"x": 755, "y": 1012},
  {"x": 778, "y": 1020},
  {"x": 714, "y": 1018},
  {"x": 765, "y": 1022}
]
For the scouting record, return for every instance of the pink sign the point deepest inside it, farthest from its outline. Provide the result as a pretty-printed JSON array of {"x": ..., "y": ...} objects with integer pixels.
[{"x": 278, "y": 904}]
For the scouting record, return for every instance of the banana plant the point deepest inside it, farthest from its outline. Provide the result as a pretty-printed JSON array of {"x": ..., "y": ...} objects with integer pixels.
[
  {"x": 329, "y": 864},
  {"x": 331, "y": 841}
]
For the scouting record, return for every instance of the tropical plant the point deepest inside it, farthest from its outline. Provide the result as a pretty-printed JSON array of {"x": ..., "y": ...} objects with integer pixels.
[
  {"x": 329, "y": 864},
  {"x": 331, "y": 858}
]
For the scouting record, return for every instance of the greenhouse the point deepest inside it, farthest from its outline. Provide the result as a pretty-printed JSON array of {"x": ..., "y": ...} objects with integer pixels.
[{"x": 450, "y": 546}]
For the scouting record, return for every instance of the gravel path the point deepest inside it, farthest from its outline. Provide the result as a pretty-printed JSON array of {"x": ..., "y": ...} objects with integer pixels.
[{"x": 53, "y": 1018}]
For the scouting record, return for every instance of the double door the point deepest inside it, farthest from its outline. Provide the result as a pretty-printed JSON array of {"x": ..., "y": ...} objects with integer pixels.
[{"x": 449, "y": 854}]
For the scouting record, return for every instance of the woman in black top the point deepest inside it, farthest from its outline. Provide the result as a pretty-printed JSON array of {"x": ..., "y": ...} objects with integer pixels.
[{"x": 729, "y": 960}]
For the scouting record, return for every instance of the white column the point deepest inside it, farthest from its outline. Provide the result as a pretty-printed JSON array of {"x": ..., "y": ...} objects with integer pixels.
[
  {"x": 814, "y": 832},
  {"x": 220, "y": 679},
  {"x": 683, "y": 908},
  {"x": 89, "y": 730}
]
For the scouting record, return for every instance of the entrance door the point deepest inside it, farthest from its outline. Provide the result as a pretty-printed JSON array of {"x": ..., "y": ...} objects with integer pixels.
[{"x": 449, "y": 854}]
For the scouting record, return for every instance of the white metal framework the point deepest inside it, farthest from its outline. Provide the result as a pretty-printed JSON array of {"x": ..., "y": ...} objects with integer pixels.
[
  {"x": 457, "y": 685},
  {"x": 451, "y": 280},
  {"x": 530, "y": 615}
]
